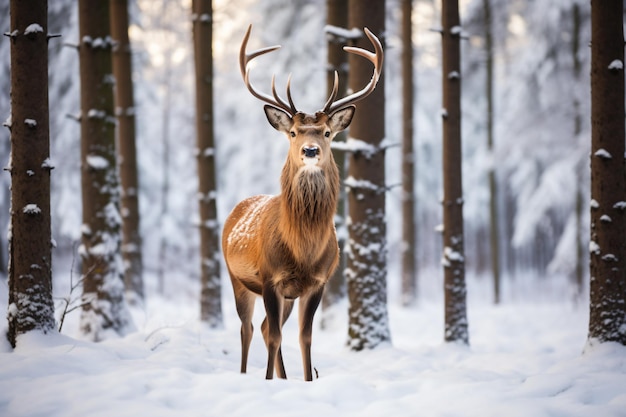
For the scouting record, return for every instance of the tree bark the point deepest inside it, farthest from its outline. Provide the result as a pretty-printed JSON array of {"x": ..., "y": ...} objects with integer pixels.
[
  {"x": 104, "y": 309},
  {"x": 125, "y": 112},
  {"x": 367, "y": 256},
  {"x": 210, "y": 299},
  {"x": 30, "y": 267},
  {"x": 409, "y": 282},
  {"x": 456, "y": 327},
  {"x": 337, "y": 15},
  {"x": 607, "y": 322}
]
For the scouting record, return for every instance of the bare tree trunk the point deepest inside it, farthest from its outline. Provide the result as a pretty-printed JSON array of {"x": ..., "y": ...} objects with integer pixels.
[
  {"x": 337, "y": 15},
  {"x": 456, "y": 328},
  {"x": 211, "y": 295},
  {"x": 30, "y": 268},
  {"x": 104, "y": 309},
  {"x": 367, "y": 256},
  {"x": 607, "y": 321},
  {"x": 125, "y": 112},
  {"x": 494, "y": 217},
  {"x": 409, "y": 282}
]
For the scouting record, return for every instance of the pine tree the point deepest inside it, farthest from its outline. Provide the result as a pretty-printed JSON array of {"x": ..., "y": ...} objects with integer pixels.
[
  {"x": 453, "y": 254},
  {"x": 30, "y": 264},
  {"x": 210, "y": 299},
  {"x": 607, "y": 321},
  {"x": 104, "y": 308},
  {"x": 367, "y": 255},
  {"x": 125, "y": 112}
]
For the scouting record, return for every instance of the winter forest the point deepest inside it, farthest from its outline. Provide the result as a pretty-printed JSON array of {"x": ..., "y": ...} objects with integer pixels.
[{"x": 480, "y": 273}]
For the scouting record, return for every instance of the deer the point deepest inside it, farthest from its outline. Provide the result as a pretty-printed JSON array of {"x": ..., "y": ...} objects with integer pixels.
[{"x": 284, "y": 247}]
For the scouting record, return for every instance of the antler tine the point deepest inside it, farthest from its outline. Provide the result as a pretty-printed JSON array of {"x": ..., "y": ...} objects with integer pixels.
[
  {"x": 375, "y": 58},
  {"x": 280, "y": 100},
  {"x": 333, "y": 93},
  {"x": 244, "y": 59}
]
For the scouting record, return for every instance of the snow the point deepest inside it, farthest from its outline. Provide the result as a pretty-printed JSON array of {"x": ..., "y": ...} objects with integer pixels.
[
  {"x": 343, "y": 33},
  {"x": 47, "y": 164},
  {"x": 33, "y": 28},
  {"x": 456, "y": 30},
  {"x": 31, "y": 209},
  {"x": 603, "y": 153},
  {"x": 30, "y": 122},
  {"x": 526, "y": 359},
  {"x": 616, "y": 64},
  {"x": 356, "y": 146},
  {"x": 97, "y": 162}
]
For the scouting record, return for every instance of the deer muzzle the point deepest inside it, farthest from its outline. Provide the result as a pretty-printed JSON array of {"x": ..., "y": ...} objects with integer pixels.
[{"x": 310, "y": 152}]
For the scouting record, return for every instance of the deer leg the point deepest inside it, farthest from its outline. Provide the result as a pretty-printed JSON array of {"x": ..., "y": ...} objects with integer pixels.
[
  {"x": 271, "y": 328},
  {"x": 307, "y": 306},
  {"x": 280, "y": 365},
  {"x": 244, "y": 302}
]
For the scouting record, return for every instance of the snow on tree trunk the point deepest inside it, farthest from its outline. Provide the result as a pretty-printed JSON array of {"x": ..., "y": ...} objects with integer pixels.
[
  {"x": 453, "y": 254},
  {"x": 104, "y": 309},
  {"x": 30, "y": 269},
  {"x": 366, "y": 272},
  {"x": 125, "y": 112},
  {"x": 211, "y": 288},
  {"x": 607, "y": 320}
]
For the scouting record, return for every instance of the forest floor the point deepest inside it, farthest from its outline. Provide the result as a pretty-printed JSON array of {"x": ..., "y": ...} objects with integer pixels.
[{"x": 528, "y": 357}]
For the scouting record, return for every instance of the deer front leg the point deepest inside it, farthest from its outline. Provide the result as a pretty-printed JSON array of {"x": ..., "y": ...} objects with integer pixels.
[
  {"x": 272, "y": 329},
  {"x": 308, "y": 305}
]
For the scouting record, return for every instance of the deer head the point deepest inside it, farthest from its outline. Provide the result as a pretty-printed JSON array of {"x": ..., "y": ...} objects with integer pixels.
[{"x": 310, "y": 135}]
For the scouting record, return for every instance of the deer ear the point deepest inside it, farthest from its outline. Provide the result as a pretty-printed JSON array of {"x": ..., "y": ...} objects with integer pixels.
[
  {"x": 341, "y": 119},
  {"x": 279, "y": 120}
]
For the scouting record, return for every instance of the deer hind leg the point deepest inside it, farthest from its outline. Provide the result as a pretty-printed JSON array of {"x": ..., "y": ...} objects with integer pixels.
[
  {"x": 279, "y": 365},
  {"x": 244, "y": 302},
  {"x": 307, "y": 306}
]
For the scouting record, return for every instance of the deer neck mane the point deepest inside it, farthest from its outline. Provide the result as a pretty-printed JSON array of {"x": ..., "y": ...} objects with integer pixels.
[{"x": 308, "y": 204}]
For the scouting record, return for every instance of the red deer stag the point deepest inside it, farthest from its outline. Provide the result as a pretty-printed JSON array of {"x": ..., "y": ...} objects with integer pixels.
[{"x": 284, "y": 247}]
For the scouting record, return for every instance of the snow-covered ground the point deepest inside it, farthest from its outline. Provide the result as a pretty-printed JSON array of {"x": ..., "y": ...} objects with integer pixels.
[{"x": 526, "y": 359}]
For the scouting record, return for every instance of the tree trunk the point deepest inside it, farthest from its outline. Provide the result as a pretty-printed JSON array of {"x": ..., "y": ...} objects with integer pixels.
[
  {"x": 456, "y": 329},
  {"x": 104, "y": 309},
  {"x": 607, "y": 322},
  {"x": 367, "y": 256},
  {"x": 30, "y": 268},
  {"x": 409, "y": 283},
  {"x": 494, "y": 218},
  {"x": 211, "y": 295},
  {"x": 337, "y": 15},
  {"x": 125, "y": 112}
]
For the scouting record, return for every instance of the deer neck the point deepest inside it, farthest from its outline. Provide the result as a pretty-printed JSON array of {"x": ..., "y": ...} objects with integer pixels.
[{"x": 308, "y": 204}]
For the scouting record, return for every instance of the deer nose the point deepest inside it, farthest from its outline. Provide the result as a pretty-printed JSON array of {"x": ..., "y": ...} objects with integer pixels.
[{"x": 310, "y": 152}]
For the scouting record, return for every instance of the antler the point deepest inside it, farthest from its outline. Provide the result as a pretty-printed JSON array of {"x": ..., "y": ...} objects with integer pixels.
[
  {"x": 276, "y": 100},
  {"x": 375, "y": 58}
]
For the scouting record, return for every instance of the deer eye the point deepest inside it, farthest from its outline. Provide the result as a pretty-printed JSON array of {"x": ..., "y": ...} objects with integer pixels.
[
  {"x": 327, "y": 134},
  {"x": 293, "y": 134}
]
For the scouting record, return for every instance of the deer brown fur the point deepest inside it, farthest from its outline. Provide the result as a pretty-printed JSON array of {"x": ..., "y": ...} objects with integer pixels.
[{"x": 285, "y": 247}]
